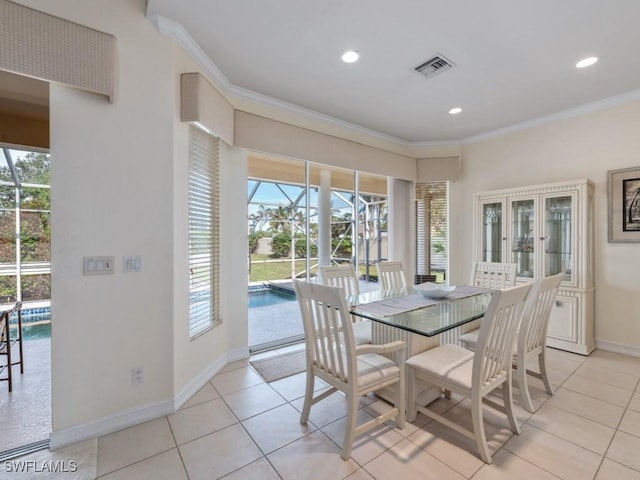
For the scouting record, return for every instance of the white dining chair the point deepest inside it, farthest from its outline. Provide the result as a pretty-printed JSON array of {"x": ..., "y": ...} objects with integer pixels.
[
  {"x": 333, "y": 357},
  {"x": 531, "y": 340},
  {"x": 493, "y": 275},
  {"x": 344, "y": 276},
  {"x": 341, "y": 276},
  {"x": 474, "y": 375},
  {"x": 391, "y": 275}
]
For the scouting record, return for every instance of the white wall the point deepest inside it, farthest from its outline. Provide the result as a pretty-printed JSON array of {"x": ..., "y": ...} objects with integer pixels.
[
  {"x": 580, "y": 147},
  {"x": 196, "y": 361},
  {"x": 111, "y": 184},
  {"x": 119, "y": 188}
]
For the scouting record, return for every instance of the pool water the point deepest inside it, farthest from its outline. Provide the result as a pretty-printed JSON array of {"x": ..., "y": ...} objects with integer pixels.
[
  {"x": 269, "y": 296},
  {"x": 34, "y": 332}
]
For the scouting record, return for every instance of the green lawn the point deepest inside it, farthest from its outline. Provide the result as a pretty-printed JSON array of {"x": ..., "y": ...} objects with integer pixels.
[{"x": 265, "y": 268}]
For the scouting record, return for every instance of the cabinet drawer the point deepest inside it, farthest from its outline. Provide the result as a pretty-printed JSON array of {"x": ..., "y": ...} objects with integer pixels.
[{"x": 563, "y": 323}]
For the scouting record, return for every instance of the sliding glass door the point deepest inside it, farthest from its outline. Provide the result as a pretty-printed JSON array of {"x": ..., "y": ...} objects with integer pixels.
[{"x": 300, "y": 215}]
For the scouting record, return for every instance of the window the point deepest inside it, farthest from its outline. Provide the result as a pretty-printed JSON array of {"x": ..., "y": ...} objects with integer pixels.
[
  {"x": 204, "y": 207},
  {"x": 25, "y": 233},
  {"x": 431, "y": 230}
]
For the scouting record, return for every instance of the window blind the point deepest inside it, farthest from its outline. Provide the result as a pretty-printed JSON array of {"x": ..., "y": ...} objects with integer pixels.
[
  {"x": 204, "y": 208},
  {"x": 431, "y": 228}
]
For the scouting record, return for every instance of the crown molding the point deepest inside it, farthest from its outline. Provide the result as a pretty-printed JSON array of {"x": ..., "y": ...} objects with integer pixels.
[
  {"x": 554, "y": 117},
  {"x": 176, "y": 31}
]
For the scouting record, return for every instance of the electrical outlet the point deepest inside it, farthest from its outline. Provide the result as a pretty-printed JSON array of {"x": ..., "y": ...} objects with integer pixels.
[{"x": 137, "y": 375}]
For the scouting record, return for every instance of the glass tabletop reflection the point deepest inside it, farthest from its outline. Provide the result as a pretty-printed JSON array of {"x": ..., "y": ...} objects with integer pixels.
[{"x": 425, "y": 317}]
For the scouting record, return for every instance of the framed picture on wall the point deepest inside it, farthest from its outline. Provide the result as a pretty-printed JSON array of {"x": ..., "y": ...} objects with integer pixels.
[{"x": 623, "y": 187}]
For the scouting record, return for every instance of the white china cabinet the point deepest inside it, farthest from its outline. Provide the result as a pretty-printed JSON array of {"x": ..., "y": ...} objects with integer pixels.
[{"x": 544, "y": 230}]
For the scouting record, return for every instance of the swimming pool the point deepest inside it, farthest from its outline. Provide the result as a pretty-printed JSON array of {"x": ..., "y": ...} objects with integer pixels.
[
  {"x": 265, "y": 296},
  {"x": 36, "y": 323}
]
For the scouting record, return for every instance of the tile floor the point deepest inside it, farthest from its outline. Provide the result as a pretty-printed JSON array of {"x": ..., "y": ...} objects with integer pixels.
[{"x": 238, "y": 427}]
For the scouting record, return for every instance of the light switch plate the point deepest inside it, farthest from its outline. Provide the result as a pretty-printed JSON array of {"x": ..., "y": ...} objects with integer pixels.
[
  {"x": 97, "y": 265},
  {"x": 132, "y": 264}
]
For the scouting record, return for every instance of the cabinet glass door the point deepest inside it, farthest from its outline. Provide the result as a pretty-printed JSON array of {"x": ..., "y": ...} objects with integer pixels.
[
  {"x": 522, "y": 237},
  {"x": 558, "y": 236},
  {"x": 492, "y": 232}
]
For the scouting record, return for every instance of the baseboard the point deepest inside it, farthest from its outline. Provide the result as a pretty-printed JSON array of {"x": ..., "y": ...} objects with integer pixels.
[
  {"x": 109, "y": 424},
  {"x": 615, "y": 347},
  {"x": 128, "y": 418},
  {"x": 207, "y": 374}
]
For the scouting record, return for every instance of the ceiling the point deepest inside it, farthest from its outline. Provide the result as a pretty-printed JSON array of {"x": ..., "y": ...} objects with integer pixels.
[
  {"x": 514, "y": 60},
  {"x": 23, "y": 96}
]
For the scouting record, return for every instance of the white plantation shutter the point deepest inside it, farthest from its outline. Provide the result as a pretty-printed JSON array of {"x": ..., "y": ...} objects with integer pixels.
[{"x": 204, "y": 208}]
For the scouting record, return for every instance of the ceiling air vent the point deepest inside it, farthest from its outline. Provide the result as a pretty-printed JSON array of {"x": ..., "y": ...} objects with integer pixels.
[{"x": 434, "y": 66}]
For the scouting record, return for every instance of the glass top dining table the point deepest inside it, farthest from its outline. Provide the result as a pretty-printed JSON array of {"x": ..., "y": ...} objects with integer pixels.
[{"x": 407, "y": 309}]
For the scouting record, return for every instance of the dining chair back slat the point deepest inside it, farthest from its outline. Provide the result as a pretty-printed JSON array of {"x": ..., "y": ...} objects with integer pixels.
[{"x": 391, "y": 275}]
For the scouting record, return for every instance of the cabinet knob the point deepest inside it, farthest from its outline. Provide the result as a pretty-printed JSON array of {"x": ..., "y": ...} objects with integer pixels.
[
  {"x": 558, "y": 303},
  {"x": 504, "y": 238}
]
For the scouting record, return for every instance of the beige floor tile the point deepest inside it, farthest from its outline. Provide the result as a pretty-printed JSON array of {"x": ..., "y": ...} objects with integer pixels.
[
  {"x": 206, "y": 393},
  {"x": 75, "y": 462},
  {"x": 276, "y": 428},
  {"x": 579, "y": 430},
  {"x": 615, "y": 361},
  {"x": 506, "y": 466},
  {"x": 236, "y": 379},
  {"x": 556, "y": 377},
  {"x": 219, "y": 453},
  {"x": 368, "y": 445},
  {"x": 592, "y": 370},
  {"x": 496, "y": 424},
  {"x": 194, "y": 422},
  {"x": 133, "y": 444},
  {"x": 313, "y": 456},
  {"x": 631, "y": 423},
  {"x": 233, "y": 365},
  {"x": 166, "y": 466},
  {"x": 450, "y": 447},
  {"x": 564, "y": 361},
  {"x": 597, "y": 410},
  {"x": 553, "y": 454},
  {"x": 253, "y": 400},
  {"x": 378, "y": 407},
  {"x": 361, "y": 474},
  {"x": 293, "y": 387},
  {"x": 599, "y": 390},
  {"x": 634, "y": 404},
  {"x": 327, "y": 411},
  {"x": 407, "y": 461},
  {"x": 610, "y": 470},
  {"x": 625, "y": 449},
  {"x": 260, "y": 470}
]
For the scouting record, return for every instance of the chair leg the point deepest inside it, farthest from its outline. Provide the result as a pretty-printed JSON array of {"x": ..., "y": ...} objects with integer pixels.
[
  {"x": 401, "y": 401},
  {"x": 507, "y": 395},
  {"x": 308, "y": 398},
  {"x": 411, "y": 395},
  {"x": 523, "y": 385},
  {"x": 350, "y": 429},
  {"x": 542, "y": 362},
  {"x": 478, "y": 430}
]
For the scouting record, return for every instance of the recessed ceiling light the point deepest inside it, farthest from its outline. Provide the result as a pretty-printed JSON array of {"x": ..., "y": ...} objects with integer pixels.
[
  {"x": 455, "y": 111},
  {"x": 587, "y": 62},
  {"x": 350, "y": 56}
]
